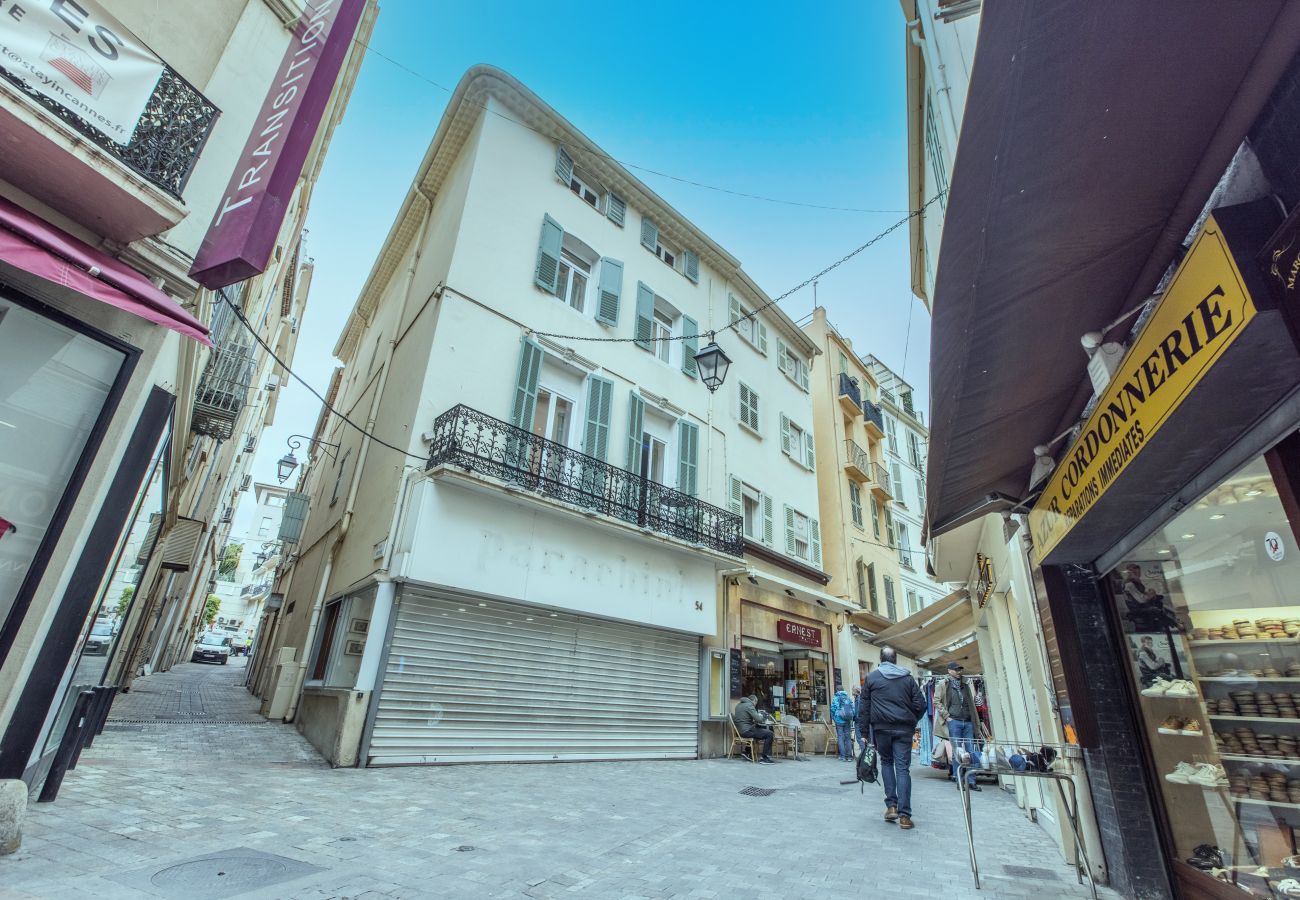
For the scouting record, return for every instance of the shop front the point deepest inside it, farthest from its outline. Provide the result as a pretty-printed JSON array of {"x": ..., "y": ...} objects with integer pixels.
[
  {"x": 1173, "y": 519},
  {"x": 788, "y": 662}
]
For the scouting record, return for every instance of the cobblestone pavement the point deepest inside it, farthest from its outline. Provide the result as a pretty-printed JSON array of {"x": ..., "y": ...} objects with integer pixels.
[{"x": 149, "y": 796}]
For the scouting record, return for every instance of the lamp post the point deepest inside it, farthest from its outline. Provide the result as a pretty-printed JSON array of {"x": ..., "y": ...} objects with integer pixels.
[
  {"x": 286, "y": 465},
  {"x": 713, "y": 364}
]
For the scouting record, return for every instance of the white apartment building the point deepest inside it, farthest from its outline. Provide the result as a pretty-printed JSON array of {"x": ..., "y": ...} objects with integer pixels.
[
  {"x": 552, "y": 516},
  {"x": 245, "y": 591}
]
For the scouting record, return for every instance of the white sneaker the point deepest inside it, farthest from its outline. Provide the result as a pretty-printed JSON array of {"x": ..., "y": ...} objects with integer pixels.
[
  {"x": 1158, "y": 687},
  {"x": 1182, "y": 773},
  {"x": 1209, "y": 775},
  {"x": 1182, "y": 689}
]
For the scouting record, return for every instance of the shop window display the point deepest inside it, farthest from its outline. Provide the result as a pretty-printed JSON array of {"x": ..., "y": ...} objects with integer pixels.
[
  {"x": 1210, "y": 610},
  {"x": 790, "y": 682}
]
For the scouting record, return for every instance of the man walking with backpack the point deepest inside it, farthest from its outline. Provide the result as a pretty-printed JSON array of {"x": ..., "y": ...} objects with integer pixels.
[{"x": 888, "y": 710}]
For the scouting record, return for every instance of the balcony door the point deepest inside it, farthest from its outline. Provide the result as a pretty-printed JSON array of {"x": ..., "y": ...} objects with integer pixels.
[{"x": 552, "y": 421}]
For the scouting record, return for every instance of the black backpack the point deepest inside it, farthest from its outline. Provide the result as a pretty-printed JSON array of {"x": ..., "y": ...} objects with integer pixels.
[{"x": 868, "y": 763}]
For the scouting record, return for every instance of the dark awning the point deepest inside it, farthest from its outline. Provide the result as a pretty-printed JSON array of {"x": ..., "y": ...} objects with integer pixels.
[{"x": 1093, "y": 136}]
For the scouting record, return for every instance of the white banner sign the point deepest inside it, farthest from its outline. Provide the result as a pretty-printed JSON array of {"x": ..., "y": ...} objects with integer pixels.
[{"x": 82, "y": 58}]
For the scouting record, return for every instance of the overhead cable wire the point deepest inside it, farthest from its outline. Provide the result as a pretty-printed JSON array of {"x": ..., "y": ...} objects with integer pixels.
[
  {"x": 750, "y": 316},
  {"x": 298, "y": 378},
  {"x": 699, "y": 184}
]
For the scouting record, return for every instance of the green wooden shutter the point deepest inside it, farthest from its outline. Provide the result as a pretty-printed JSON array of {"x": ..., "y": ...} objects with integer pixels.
[
  {"x": 734, "y": 501},
  {"x": 733, "y": 309},
  {"x": 691, "y": 266},
  {"x": 688, "y": 453},
  {"x": 875, "y": 516},
  {"x": 294, "y": 517},
  {"x": 782, "y": 361},
  {"x": 635, "y": 431},
  {"x": 690, "y": 345},
  {"x": 761, "y": 332},
  {"x": 785, "y": 436},
  {"x": 810, "y": 452},
  {"x": 767, "y": 520},
  {"x": 645, "y": 311},
  {"x": 815, "y": 542},
  {"x": 547, "y": 276},
  {"x": 563, "y": 166},
  {"x": 789, "y": 531},
  {"x": 803, "y": 374},
  {"x": 595, "y": 441},
  {"x": 855, "y": 503},
  {"x": 649, "y": 234},
  {"x": 530, "y": 363},
  {"x": 616, "y": 209},
  {"x": 871, "y": 587},
  {"x": 611, "y": 291}
]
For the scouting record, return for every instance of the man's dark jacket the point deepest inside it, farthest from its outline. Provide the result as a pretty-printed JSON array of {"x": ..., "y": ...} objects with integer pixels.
[{"x": 891, "y": 700}]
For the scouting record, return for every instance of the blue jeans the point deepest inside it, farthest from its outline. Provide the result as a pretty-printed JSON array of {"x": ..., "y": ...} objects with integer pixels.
[
  {"x": 844, "y": 739},
  {"x": 962, "y": 735},
  {"x": 895, "y": 749}
]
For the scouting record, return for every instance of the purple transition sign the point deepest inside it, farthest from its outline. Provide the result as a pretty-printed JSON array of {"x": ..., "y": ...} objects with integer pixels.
[{"x": 242, "y": 235}]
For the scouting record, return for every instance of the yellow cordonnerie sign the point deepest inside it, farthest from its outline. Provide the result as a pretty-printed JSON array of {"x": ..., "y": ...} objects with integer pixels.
[{"x": 1204, "y": 309}]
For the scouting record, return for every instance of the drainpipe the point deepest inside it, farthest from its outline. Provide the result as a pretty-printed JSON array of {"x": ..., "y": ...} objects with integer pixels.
[{"x": 362, "y": 455}]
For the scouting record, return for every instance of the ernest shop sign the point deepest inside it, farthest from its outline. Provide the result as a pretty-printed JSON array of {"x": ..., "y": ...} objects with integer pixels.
[{"x": 1204, "y": 309}]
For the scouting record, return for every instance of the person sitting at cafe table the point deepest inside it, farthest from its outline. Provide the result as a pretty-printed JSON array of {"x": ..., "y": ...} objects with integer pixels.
[{"x": 753, "y": 723}]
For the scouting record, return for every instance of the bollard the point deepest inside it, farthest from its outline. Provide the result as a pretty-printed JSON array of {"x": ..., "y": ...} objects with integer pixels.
[
  {"x": 69, "y": 745},
  {"x": 94, "y": 719}
]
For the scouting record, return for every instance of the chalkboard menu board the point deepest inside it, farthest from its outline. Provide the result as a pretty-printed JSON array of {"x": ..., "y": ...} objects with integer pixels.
[{"x": 737, "y": 674}]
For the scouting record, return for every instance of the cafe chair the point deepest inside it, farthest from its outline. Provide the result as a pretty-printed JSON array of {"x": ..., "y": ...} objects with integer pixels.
[
  {"x": 738, "y": 740},
  {"x": 832, "y": 743}
]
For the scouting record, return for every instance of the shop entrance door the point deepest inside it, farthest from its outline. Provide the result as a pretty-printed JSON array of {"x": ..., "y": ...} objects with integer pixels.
[{"x": 476, "y": 680}]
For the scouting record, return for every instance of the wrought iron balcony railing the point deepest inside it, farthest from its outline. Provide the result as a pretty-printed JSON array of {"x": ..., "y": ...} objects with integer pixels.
[
  {"x": 880, "y": 478},
  {"x": 874, "y": 415},
  {"x": 168, "y": 138},
  {"x": 850, "y": 395},
  {"x": 479, "y": 443},
  {"x": 223, "y": 387},
  {"x": 857, "y": 460}
]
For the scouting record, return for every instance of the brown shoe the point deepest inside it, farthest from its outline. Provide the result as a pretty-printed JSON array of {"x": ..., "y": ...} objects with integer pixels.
[
  {"x": 905, "y": 822},
  {"x": 891, "y": 814}
]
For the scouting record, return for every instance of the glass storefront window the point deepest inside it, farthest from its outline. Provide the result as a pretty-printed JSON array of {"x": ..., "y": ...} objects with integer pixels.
[
  {"x": 789, "y": 682},
  {"x": 54, "y": 384},
  {"x": 1210, "y": 609}
]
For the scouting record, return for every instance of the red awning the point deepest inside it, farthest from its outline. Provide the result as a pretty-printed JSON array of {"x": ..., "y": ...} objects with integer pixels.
[{"x": 34, "y": 245}]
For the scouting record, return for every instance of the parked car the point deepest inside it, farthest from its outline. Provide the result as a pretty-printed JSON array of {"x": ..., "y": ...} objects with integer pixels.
[
  {"x": 99, "y": 639},
  {"x": 212, "y": 647}
]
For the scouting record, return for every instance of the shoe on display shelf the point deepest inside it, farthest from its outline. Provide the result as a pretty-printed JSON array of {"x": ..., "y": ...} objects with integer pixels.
[
  {"x": 1171, "y": 725},
  {"x": 1289, "y": 887},
  {"x": 1192, "y": 728},
  {"x": 1182, "y": 689},
  {"x": 1209, "y": 775},
  {"x": 1157, "y": 688},
  {"x": 1181, "y": 774}
]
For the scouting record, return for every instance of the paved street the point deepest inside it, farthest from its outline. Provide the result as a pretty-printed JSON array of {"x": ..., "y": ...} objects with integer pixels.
[{"x": 151, "y": 796}]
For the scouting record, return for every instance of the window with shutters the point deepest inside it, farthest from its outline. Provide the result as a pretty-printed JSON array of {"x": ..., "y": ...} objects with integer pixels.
[
  {"x": 751, "y": 499},
  {"x": 655, "y": 454},
  {"x": 875, "y": 517},
  {"x": 913, "y": 603},
  {"x": 797, "y": 443},
  {"x": 575, "y": 275},
  {"x": 914, "y": 448},
  {"x": 871, "y": 588},
  {"x": 802, "y": 537},
  {"x": 891, "y": 432},
  {"x": 889, "y": 526},
  {"x": 891, "y": 608},
  {"x": 904, "y": 547},
  {"x": 855, "y": 503},
  {"x": 742, "y": 320},
  {"x": 792, "y": 364},
  {"x": 896, "y": 471},
  {"x": 582, "y": 189},
  {"x": 553, "y": 416},
  {"x": 748, "y": 407}
]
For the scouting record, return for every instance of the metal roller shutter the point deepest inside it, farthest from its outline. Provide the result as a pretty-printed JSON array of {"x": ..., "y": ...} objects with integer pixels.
[{"x": 472, "y": 680}]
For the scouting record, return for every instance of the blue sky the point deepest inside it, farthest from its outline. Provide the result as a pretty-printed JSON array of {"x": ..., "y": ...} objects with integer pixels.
[{"x": 765, "y": 98}]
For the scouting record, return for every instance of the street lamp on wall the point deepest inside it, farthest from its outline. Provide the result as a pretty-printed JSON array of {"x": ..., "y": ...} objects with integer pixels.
[
  {"x": 713, "y": 364},
  {"x": 286, "y": 465}
]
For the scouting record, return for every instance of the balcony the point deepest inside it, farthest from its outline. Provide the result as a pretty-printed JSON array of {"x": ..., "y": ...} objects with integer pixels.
[
  {"x": 875, "y": 420},
  {"x": 880, "y": 481},
  {"x": 127, "y": 191},
  {"x": 857, "y": 462},
  {"x": 850, "y": 396},
  {"x": 255, "y": 590},
  {"x": 479, "y": 443},
  {"x": 223, "y": 387}
]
